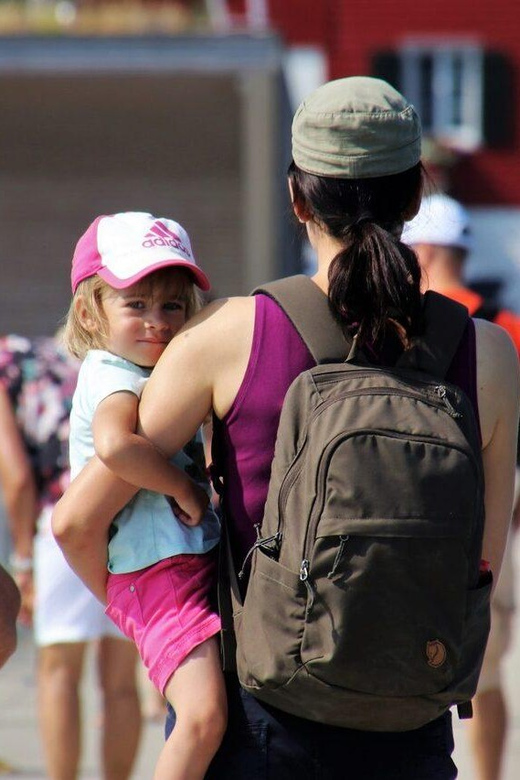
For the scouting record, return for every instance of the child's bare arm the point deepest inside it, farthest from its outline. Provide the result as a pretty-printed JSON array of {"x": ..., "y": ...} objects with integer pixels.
[{"x": 137, "y": 461}]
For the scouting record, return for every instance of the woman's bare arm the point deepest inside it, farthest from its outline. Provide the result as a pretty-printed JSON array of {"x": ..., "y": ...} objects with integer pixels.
[
  {"x": 498, "y": 380},
  {"x": 201, "y": 369},
  {"x": 81, "y": 519}
]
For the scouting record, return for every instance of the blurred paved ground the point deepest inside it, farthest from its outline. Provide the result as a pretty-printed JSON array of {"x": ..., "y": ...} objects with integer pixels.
[
  {"x": 19, "y": 742},
  {"x": 19, "y": 739}
]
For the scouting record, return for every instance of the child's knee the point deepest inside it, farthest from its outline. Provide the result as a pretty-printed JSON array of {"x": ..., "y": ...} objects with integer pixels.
[
  {"x": 219, "y": 721},
  {"x": 206, "y": 724}
]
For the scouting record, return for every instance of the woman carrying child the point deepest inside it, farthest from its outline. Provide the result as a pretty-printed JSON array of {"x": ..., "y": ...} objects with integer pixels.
[{"x": 356, "y": 177}]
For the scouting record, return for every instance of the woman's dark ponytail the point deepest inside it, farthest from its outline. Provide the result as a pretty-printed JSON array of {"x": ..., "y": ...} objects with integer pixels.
[{"x": 374, "y": 281}]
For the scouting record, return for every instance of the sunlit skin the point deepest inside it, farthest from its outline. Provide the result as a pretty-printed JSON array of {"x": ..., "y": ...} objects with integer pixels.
[
  {"x": 140, "y": 322},
  {"x": 137, "y": 323}
]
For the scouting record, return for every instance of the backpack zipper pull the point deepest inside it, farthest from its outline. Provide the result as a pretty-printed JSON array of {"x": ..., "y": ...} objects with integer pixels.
[
  {"x": 339, "y": 555},
  {"x": 443, "y": 395},
  {"x": 274, "y": 540},
  {"x": 304, "y": 577}
]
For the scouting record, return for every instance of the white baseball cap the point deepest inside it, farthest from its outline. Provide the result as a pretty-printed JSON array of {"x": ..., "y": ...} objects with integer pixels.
[
  {"x": 124, "y": 248},
  {"x": 441, "y": 220}
]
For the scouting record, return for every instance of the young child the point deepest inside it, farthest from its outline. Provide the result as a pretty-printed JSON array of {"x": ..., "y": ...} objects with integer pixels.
[{"x": 133, "y": 283}]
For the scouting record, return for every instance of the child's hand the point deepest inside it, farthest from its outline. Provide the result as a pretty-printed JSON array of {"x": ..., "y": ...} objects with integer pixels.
[{"x": 191, "y": 507}]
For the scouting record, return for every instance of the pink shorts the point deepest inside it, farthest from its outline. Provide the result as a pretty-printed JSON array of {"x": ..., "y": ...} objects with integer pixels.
[{"x": 165, "y": 610}]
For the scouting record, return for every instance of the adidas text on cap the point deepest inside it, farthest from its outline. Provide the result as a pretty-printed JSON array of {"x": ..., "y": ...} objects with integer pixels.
[{"x": 124, "y": 248}]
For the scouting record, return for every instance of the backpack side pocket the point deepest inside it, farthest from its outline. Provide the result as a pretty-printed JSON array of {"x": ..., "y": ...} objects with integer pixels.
[{"x": 270, "y": 627}]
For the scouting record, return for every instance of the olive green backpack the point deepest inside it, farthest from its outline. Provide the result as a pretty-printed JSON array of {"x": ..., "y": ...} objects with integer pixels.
[{"x": 365, "y": 606}]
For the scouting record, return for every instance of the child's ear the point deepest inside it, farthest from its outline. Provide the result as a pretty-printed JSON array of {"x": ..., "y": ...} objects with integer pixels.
[{"x": 84, "y": 314}]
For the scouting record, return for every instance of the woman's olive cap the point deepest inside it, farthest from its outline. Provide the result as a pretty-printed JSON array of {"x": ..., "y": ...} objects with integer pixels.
[{"x": 355, "y": 128}]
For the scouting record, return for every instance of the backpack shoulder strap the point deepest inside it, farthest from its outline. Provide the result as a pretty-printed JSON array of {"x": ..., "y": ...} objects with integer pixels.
[
  {"x": 434, "y": 350},
  {"x": 308, "y": 309}
]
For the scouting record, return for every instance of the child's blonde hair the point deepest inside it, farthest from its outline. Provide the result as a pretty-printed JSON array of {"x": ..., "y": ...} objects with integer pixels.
[{"x": 79, "y": 340}]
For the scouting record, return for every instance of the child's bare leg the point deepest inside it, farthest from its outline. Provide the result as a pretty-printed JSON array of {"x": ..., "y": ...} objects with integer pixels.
[{"x": 196, "y": 692}]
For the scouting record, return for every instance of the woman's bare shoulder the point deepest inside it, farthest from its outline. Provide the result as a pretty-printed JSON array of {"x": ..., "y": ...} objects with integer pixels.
[
  {"x": 496, "y": 351},
  {"x": 208, "y": 357},
  {"x": 222, "y": 328},
  {"x": 224, "y": 308},
  {"x": 498, "y": 377}
]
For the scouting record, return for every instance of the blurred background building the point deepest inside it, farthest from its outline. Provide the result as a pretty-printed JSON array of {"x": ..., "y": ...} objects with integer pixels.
[{"x": 184, "y": 108}]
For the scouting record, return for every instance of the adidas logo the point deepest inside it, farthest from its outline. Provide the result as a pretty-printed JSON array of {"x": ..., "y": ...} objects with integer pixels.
[{"x": 159, "y": 235}]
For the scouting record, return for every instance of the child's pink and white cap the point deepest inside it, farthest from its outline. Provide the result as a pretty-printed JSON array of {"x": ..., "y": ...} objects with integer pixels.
[{"x": 124, "y": 248}]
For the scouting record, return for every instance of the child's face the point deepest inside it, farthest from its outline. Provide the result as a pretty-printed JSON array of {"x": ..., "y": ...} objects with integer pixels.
[{"x": 142, "y": 319}]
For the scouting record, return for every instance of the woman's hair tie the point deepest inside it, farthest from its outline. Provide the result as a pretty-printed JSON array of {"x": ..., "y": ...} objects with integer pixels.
[{"x": 362, "y": 219}]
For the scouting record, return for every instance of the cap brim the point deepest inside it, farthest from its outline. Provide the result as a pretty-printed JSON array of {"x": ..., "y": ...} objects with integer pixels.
[{"x": 200, "y": 278}]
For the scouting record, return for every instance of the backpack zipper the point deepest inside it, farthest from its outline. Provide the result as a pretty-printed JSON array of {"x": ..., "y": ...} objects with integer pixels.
[
  {"x": 443, "y": 404},
  {"x": 440, "y": 402},
  {"x": 440, "y": 389},
  {"x": 327, "y": 454},
  {"x": 398, "y": 375}
]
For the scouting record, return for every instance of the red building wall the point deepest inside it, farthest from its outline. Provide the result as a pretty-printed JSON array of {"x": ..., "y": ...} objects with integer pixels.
[{"x": 350, "y": 32}]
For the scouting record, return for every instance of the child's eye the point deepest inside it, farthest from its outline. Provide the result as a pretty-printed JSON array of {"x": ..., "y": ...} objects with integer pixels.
[
  {"x": 175, "y": 306},
  {"x": 135, "y": 304}
]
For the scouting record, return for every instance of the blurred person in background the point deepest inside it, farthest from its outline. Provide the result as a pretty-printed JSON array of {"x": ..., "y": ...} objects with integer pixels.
[
  {"x": 9, "y": 608},
  {"x": 442, "y": 238},
  {"x": 37, "y": 380},
  {"x": 10, "y": 602}
]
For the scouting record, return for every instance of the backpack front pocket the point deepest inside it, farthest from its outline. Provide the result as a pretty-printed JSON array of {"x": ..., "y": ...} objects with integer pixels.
[
  {"x": 387, "y": 563},
  {"x": 384, "y": 618}
]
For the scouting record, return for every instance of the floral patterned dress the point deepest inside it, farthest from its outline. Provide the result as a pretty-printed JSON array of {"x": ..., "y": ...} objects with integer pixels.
[{"x": 40, "y": 378}]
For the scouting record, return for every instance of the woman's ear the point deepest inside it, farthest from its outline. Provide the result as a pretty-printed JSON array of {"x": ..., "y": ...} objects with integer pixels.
[
  {"x": 84, "y": 314},
  {"x": 413, "y": 208},
  {"x": 301, "y": 212}
]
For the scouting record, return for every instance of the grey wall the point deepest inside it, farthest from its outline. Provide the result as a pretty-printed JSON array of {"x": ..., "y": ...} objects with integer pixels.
[{"x": 75, "y": 147}]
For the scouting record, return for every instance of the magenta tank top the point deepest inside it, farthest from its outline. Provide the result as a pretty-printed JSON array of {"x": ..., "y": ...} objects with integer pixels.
[{"x": 244, "y": 439}]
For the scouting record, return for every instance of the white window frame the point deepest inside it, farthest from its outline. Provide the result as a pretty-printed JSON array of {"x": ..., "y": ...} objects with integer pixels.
[{"x": 455, "y": 91}]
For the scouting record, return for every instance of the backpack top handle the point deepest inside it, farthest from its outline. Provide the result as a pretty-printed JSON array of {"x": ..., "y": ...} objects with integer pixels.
[{"x": 433, "y": 351}]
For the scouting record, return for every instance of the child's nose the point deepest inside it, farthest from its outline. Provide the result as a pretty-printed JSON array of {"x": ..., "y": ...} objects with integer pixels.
[{"x": 158, "y": 320}]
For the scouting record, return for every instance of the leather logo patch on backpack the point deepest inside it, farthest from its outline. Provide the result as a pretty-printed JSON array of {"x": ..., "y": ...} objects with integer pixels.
[{"x": 435, "y": 653}]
